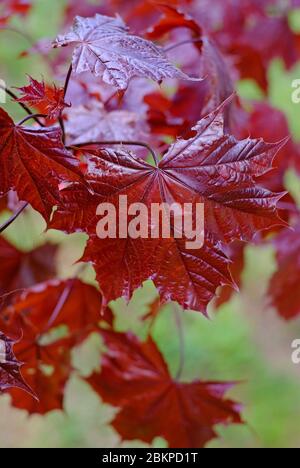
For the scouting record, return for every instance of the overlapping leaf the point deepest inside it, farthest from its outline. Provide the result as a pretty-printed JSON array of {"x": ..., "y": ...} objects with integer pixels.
[
  {"x": 8, "y": 8},
  {"x": 36, "y": 315}
]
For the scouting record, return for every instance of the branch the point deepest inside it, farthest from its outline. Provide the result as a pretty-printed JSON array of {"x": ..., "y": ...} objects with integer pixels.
[
  {"x": 33, "y": 116},
  {"x": 119, "y": 143},
  {"x": 179, "y": 44},
  {"x": 26, "y": 109},
  {"x": 60, "y": 119},
  {"x": 13, "y": 218}
]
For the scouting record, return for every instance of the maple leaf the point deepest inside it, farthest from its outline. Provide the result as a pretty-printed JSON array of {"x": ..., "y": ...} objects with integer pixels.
[
  {"x": 36, "y": 313},
  {"x": 34, "y": 162},
  {"x": 48, "y": 100},
  {"x": 194, "y": 100},
  {"x": 210, "y": 168},
  {"x": 104, "y": 47},
  {"x": 134, "y": 377},
  {"x": 10, "y": 375},
  {"x": 94, "y": 123},
  {"x": 284, "y": 286},
  {"x": 24, "y": 269}
]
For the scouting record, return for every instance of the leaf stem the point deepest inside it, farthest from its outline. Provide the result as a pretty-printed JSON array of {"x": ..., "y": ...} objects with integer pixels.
[
  {"x": 60, "y": 119},
  {"x": 13, "y": 218},
  {"x": 60, "y": 303},
  {"x": 119, "y": 143},
  {"x": 178, "y": 320},
  {"x": 67, "y": 82},
  {"x": 32, "y": 116},
  {"x": 26, "y": 109},
  {"x": 179, "y": 44}
]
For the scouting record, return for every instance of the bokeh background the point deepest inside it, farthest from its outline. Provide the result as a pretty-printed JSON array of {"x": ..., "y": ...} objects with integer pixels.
[{"x": 244, "y": 341}]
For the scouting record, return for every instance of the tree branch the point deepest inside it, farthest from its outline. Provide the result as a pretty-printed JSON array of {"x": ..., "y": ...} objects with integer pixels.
[
  {"x": 179, "y": 44},
  {"x": 13, "y": 218},
  {"x": 24, "y": 107},
  {"x": 33, "y": 116}
]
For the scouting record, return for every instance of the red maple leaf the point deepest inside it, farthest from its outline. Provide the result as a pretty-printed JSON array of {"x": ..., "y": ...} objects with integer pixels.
[
  {"x": 104, "y": 47},
  {"x": 48, "y": 100},
  {"x": 33, "y": 315},
  {"x": 10, "y": 375},
  {"x": 134, "y": 377},
  {"x": 24, "y": 269},
  {"x": 284, "y": 287},
  {"x": 210, "y": 168},
  {"x": 34, "y": 162}
]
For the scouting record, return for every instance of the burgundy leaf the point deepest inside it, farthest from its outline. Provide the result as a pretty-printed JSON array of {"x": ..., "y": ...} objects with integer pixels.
[{"x": 134, "y": 377}]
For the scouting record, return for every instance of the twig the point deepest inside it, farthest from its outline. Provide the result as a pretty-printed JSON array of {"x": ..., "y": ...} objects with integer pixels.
[
  {"x": 60, "y": 119},
  {"x": 24, "y": 107},
  {"x": 119, "y": 143},
  {"x": 33, "y": 116},
  {"x": 12, "y": 218},
  {"x": 179, "y": 44}
]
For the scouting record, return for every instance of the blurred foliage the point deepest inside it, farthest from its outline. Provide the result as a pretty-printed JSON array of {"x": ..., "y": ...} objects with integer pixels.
[{"x": 245, "y": 341}]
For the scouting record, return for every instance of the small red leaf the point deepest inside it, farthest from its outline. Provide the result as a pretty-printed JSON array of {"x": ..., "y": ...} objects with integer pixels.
[
  {"x": 48, "y": 100},
  {"x": 210, "y": 168}
]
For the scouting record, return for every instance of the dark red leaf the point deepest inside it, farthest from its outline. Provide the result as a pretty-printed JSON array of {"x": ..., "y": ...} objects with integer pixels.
[
  {"x": 134, "y": 377},
  {"x": 210, "y": 168},
  {"x": 34, "y": 163}
]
